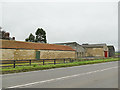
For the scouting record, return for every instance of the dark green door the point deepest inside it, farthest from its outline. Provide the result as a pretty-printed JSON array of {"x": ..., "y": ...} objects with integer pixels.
[{"x": 37, "y": 54}]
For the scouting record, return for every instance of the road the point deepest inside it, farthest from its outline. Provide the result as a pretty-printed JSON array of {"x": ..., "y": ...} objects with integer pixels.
[{"x": 102, "y": 75}]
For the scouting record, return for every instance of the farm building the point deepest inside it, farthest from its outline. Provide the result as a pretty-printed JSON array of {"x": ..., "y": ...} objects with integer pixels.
[
  {"x": 80, "y": 51},
  {"x": 96, "y": 50},
  {"x": 17, "y": 50},
  {"x": 111, "y": 51}
]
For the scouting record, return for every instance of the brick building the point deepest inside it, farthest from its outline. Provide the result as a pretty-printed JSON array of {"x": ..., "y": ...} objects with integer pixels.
[
  {"x": 80, "y": 51},
  {"x": 96, "y": 50},
  {"x": 17, "y": 50}
]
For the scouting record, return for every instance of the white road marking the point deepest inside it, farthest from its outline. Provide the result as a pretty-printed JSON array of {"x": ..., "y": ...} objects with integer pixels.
[
  {"x": 60, "y": 68},
  {"x": 62, "y": 78}
]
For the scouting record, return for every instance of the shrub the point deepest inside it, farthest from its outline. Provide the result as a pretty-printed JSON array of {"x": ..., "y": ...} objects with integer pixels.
[{"x": 34, "y": 65}]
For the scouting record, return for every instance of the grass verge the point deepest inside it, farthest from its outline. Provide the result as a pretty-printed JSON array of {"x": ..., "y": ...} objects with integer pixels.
[{"x": 43, "y": 67}]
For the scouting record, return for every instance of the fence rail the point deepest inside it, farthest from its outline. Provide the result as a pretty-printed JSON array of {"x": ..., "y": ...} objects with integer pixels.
[{"x": 14, "y": 63}]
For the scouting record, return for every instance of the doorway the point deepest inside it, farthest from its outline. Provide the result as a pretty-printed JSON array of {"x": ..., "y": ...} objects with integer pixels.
[
  {"x": 106, "y": 53},
  {"x": 37, "y": 54}
]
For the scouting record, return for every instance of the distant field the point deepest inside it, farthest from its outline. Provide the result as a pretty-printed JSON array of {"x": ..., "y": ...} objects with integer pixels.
[{"x": 117, "y": 53}]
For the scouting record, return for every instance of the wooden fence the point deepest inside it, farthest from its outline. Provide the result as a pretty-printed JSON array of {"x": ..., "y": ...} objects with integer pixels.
[{"x": 14, "y": 63}]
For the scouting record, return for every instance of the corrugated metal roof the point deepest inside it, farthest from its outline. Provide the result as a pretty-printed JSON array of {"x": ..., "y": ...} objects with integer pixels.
[{"x": 32, "y": 45}]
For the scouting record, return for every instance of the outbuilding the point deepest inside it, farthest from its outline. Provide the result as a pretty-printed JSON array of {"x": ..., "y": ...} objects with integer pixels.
[
  {"x": 18, "y": 50},
  {"x": 96, "y": 50},
  {"x": 111, "y": 51},
  {"x": 80, "y": 51}
]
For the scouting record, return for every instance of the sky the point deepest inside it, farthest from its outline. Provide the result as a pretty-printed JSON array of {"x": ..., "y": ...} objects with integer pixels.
[{"x": 70, "y": 21}]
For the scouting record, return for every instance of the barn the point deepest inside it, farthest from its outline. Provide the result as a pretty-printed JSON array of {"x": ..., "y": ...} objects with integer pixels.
[
  {"x": 80, "y": 51},
  {"x": 18, "y": 50},
  {"x": 111, "y": 51},
  {"x": 96, "y": 50}
]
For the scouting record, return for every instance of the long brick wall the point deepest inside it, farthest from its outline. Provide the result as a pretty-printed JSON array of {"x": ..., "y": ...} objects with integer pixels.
[
  {"x": 57, "y": 54},
  {"x": 21, "y": 54}
]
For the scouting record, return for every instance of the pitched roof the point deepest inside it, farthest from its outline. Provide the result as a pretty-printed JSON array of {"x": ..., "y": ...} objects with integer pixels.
[
  {"x": 31, "y": 45},
  {"x": 111, "y": 47},
  {"x": 93, "y": 45},
  {"x": 68, "y": 43}
]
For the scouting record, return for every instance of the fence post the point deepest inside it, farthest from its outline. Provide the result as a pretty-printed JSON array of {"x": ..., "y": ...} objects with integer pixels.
[
  {"x": 70, "y": 59},
  {"x": 64, "y": 60},
  {"x": 54, "y": 61},
  {"x": 14, "y": 64},
  {"x": 75, "y": 59},
  {"x": 43, "y": 62},
  {"x": 30, "y": 62}
]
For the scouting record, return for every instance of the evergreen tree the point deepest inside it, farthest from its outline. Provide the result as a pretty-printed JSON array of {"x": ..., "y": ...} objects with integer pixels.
[
  {"x": 27, "y": 39},
  {"x": 31, "y": 38},
  {"x": 40, "y": 36}
]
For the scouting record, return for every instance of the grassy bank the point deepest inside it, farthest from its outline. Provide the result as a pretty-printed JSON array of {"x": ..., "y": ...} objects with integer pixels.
[{"x": 42, "y": 67}]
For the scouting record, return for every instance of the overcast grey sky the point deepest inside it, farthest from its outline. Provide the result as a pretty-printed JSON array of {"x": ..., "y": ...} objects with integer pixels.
[{"x": 83, "y": 22}]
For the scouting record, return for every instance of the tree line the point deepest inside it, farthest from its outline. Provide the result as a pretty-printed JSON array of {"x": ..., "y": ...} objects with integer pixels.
[{"x": 40, "y": 36}]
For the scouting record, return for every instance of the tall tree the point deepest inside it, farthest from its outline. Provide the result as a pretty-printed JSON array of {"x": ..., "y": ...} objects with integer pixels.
[
  {"x": 40, "y": 36},
  {"x": 31, "y": 38},
  {"x": 27, "y": 39}
]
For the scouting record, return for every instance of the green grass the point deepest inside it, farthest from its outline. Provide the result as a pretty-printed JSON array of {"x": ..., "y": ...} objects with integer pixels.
[
  {"x": 42, "y": 67},
  {"x": 117, "y": 53}
]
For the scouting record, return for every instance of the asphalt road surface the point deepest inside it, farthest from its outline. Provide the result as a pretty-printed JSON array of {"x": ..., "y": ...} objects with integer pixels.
[{"x": 102, "y": 75}]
